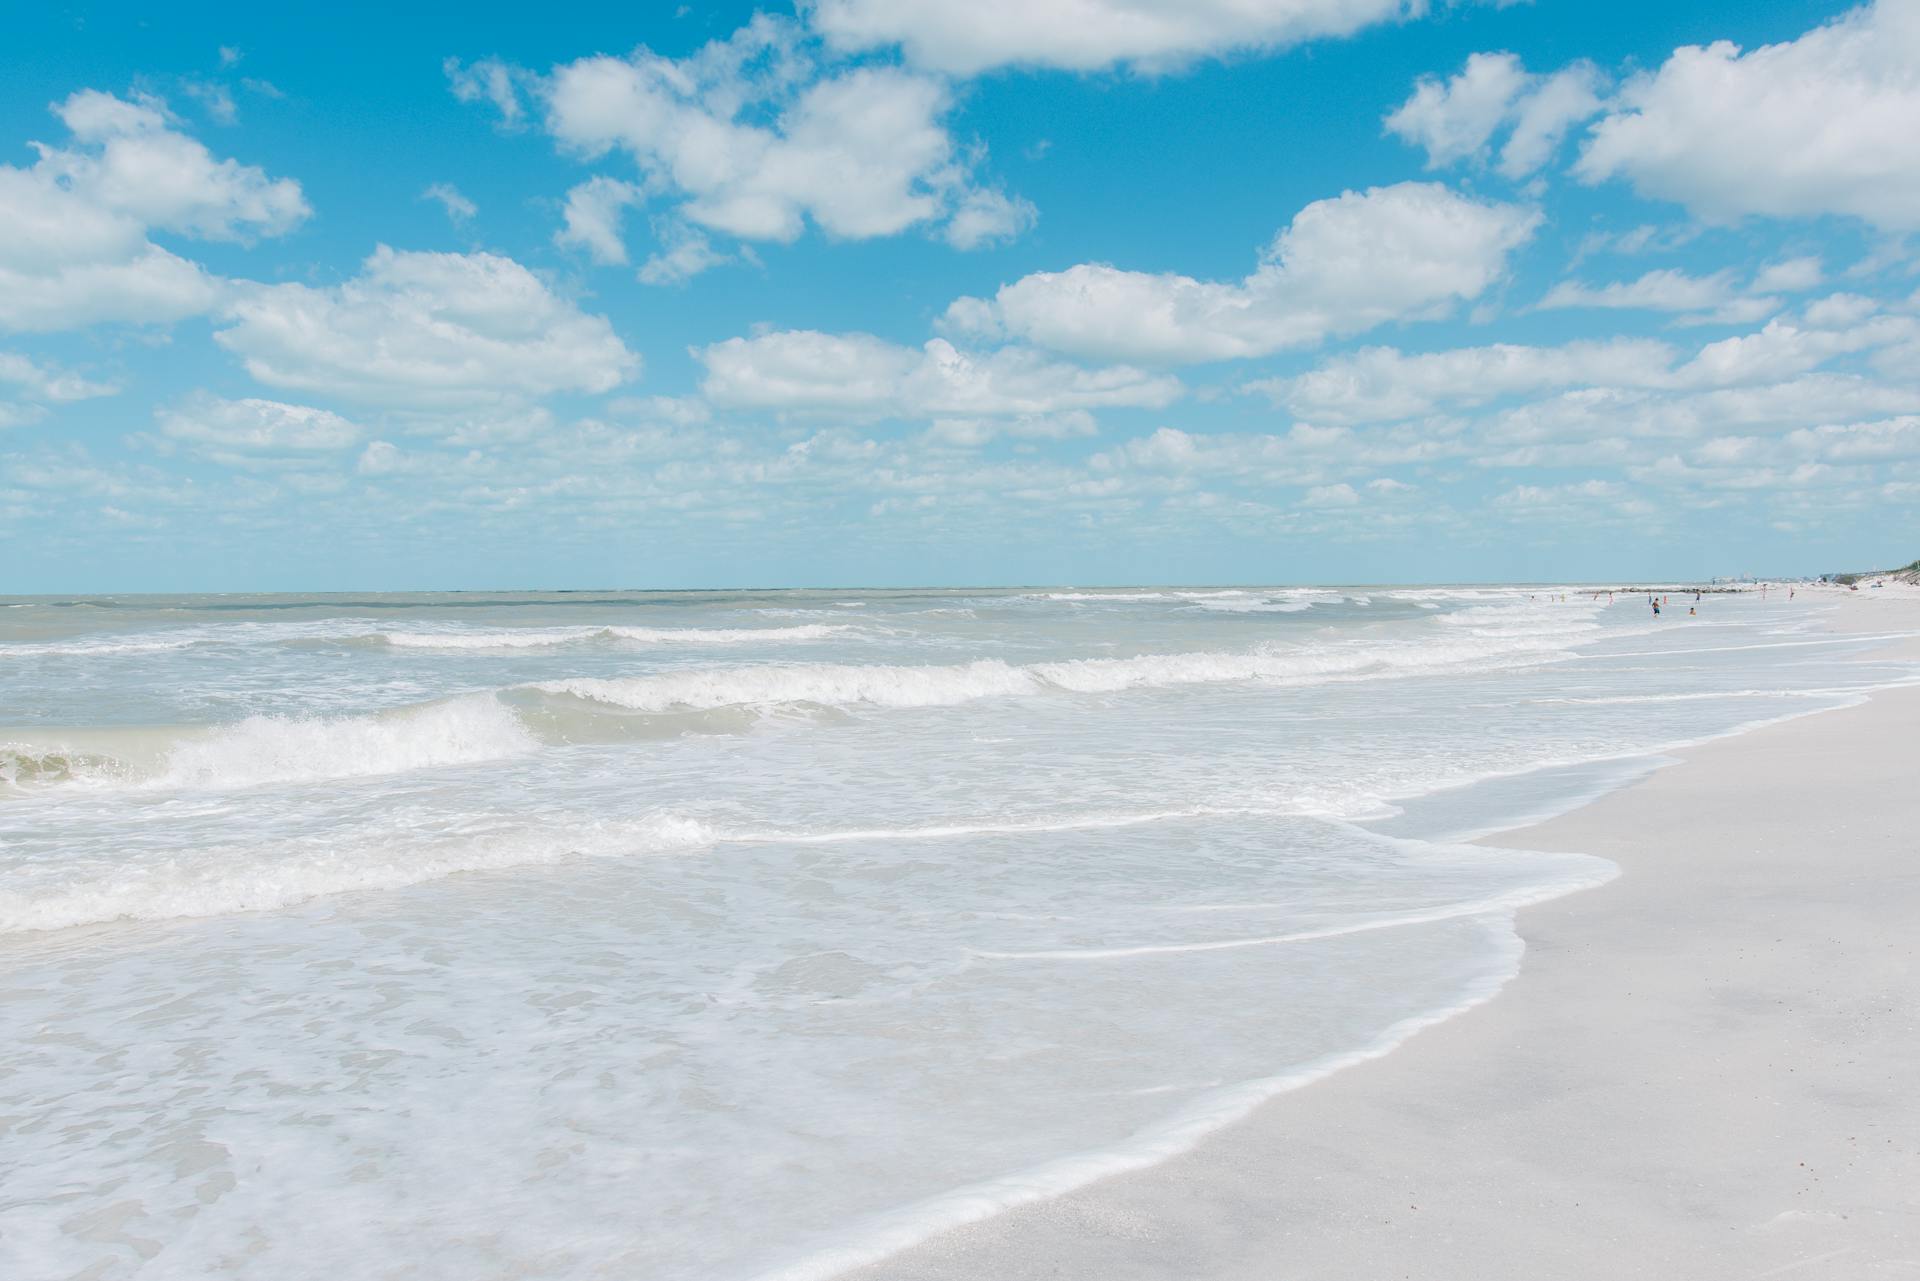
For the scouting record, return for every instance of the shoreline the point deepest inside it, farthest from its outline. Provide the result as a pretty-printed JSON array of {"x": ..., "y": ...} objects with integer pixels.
[{"x": 1309, "y": 1179}]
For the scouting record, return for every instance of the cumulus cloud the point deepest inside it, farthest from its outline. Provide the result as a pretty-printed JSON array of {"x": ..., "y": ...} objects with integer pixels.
[
  {"x": 486, "y": 80},
  {"x": 595, "y": 215},
  {"x": 1337, "y": 495},
  {"x": 74, "y": 246},
  {"x": 131, "y": 161},
  {"x": 251, "y": 426},
  {"x": 683, "y": 254},
  {"x": 459, "y": 208},
  {"x": 215, "y": 99},
  {"x": 1821, "y": 124},
  {"x": 1456, "y": 119},
  {"x": 1343, "y": 265},
  {"x": 971, "y": 433},
  {"x": 1378, "y": 384},
  {"x": 425, "y": 328},
  {"x": 860, "y": 375},
  {"x": 1302, "y": 455},
  {"x": 1860, "y": 442},
  {"x": 749, "y": 137},
  {"x": 1667, "y": 289},
  {"x": 1790, "y": 276},
  {"x": 965, "y": 37},
  {"x": 1381, "y": 384},
  {"x": 1718, "y": 299},
  {"x": 988, "y": 217},
  {"x": 43, "y": 382}
]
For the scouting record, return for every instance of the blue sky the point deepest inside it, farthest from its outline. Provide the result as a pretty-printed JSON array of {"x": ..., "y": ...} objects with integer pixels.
[{"x": 956, "y": 291}]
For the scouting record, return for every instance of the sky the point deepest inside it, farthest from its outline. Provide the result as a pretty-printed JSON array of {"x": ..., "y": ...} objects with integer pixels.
[{"x": 956, "y": 292}]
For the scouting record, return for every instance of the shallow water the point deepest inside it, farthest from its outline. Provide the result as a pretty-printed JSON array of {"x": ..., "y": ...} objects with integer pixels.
[{"x": 722, "y": 935}]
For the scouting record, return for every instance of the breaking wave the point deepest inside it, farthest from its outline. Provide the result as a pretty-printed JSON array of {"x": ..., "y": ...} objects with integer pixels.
[
  {"x": 279, "y": 749},
  {"x": 851, "y": 686},
  {"x": 708, "y": 699},
  {"x": 219, "y": 880},
  {"x": 536, "y": 638}
]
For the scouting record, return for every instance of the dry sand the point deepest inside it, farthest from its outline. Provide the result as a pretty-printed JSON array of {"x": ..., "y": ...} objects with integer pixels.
[{"x": 1706, "y": 1068}]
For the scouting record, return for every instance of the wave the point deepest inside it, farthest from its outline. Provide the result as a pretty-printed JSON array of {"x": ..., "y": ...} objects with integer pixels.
[
  {"x": 1511, "y": 901},
  {"x": 517, "y": 720},
  {"x": 86, "y": 648},
  {"x": 849, "y": 686},
  {"x": 1700, "y": 696},
  {"x": 1236, "y": 606},
  {"x": 543, "y": 637},
  {"x": 1101, "y": 596},
  {"x": 369, "y": 632},
  {"x": 276, "y": 749},
  {"x": 220, "y": 881}
]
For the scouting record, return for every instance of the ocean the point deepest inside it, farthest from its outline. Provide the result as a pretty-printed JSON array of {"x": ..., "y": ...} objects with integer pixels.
[{"x": 736, "y": 936}]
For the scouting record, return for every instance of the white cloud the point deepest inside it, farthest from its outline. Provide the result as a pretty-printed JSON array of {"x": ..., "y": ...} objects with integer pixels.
[
  {"x": 425, "y": 328},
  {"x": 1342, "y": 266},
  {"x": 1822, "y": 124},
  {"x": 1860, "y": 442},
  {"x": 965, "y": 37},
  {"x": 987, "y": 217},
  {"x": 1300, "y": 456},
  {"x": 1545, "y": 499},
  {"x": 749, "y": 137},
  {"x": 866, "y": 376},
  {"x": 860, "y": 154},
  {"x": 131, "y": 162},
  {"x": 595, "y": 214},
  {"x": 215, "y": 99},
  {"x": 1340, "y": 495},
  {"x": 458, "y": 207},
  {"x": 1606, "y": 424},
  {"x": 684, "y": 254},
  {"x": 1381, "y": 384},
  {"x": 74, "y": 247},
  {"x": 1667, "y": 289},
  {"x": 1456, "y": 119},
  {"x": 39, "y": 382},
  {"x": 1378, "y": 384},
  {"x": 1839, "y": 310},
  {"x": 379, "y": 458},
  {"x": 487, "y": 79},
  {"x": 971, "y": 433},
  {"x": 1790, "y": 276},
  {"x": 255, "y": 426}
]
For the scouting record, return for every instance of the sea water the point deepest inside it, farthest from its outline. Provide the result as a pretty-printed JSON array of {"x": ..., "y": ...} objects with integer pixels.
[{"x": 753, "y": 935}]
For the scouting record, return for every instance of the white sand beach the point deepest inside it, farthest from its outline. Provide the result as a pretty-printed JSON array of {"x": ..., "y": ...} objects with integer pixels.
[{"x": 1705, "y": 1068}]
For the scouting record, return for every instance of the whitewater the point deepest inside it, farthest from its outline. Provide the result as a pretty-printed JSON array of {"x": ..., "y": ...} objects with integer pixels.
[{"x": 735, "y": 936}]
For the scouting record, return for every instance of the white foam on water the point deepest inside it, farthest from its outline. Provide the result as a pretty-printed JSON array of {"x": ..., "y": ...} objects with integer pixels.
[
  {"x": 541, "y": 638},
  {"x": 900, "y": 686},
  {"x": 277, "y": 749},
  {"x": 1509, "y": 902},
  {"x": 880, "y": 1236},
  {"x": 221, "y": 881},
  {"x": 924, "y": 935}
]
